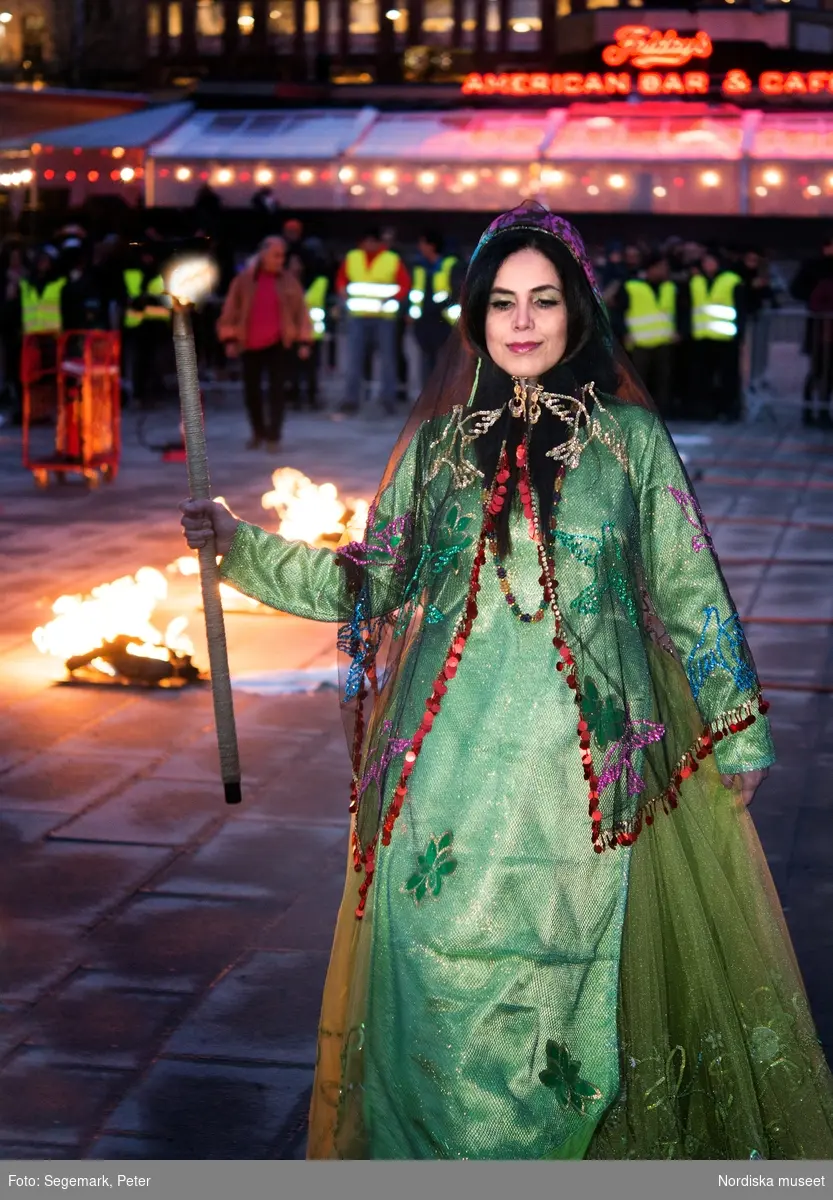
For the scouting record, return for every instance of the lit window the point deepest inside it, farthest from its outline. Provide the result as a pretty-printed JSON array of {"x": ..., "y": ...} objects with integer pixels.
[
  {"x": 311, "y": 16},
  {"x": 211, "y": 25},
  {"x": 154, "y": 24},
  {"x": 174, "y": 20},
  {"x": 245, "y": 18}
]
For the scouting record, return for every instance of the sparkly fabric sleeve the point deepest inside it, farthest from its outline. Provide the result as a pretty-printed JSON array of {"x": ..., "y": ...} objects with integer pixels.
[
  {"x": 290, "y": 576},
  {"x": 694, "y": 604},
  {"x": 312, "y": 582}
]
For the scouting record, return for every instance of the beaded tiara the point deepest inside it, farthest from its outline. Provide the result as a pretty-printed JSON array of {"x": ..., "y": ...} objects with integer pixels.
[{"x": 535, "y": 217}]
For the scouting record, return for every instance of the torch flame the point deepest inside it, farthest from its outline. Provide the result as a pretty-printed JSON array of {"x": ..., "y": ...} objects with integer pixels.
[{"x": 191, "y": 279}]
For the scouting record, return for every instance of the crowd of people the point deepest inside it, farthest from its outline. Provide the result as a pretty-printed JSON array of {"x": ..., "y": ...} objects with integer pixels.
[{"x": 694, "y": 319}]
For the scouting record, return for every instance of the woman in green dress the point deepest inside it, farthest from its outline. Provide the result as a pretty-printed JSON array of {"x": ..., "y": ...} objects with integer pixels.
[{"x": 559, "y": 937}]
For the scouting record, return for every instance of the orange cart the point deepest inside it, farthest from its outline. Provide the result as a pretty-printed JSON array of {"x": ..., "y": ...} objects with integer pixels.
[{"x": 71, "y": 405}]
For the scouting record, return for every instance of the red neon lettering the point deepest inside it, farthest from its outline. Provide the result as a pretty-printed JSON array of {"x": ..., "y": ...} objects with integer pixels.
[
  {"x": 818, "y": 81},
  {"x": 593, "y": 85},
  {"x": 473, "y": 85},
  {"x": 696, "y": 83},
  {"x": 737, "y": 83},
  {"x": 617, "y": 84},
  {"x": 771, "y": 83},
  {"x": 672, "y": 85},
  {"x": 645, "y": 47},
  {"x": 573, "y": 84},
  {"x": 519, "y": 84},
  {"x": 649, "y": 83},
  {"x": 795, "y": 85},
  {"x": 539, "y": 85}
]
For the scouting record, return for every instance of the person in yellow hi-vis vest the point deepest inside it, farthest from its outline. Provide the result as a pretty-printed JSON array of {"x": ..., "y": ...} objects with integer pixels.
[
  {"x": 717, "y": 325},
  {"x": 434, "y": 298},
  {"x": 303, "y": 385},
  {"x": 373, "y": 284},
  {"x": 40, "y": 295},
  {"x": 147, "y": 327},
  {"x": 650, "y": 312}
]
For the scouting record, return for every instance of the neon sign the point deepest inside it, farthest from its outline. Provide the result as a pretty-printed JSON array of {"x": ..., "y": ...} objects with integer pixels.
[
  {"x": 573, "y": 83},
  {"x": 644, "y": 48},
  {"x": 646, "y": 83}
]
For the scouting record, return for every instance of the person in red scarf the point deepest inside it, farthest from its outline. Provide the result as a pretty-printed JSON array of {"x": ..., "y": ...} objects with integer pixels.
[{"x": 263, "y": 319}]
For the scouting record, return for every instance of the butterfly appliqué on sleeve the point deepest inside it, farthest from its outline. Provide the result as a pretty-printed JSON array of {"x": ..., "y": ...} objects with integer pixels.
[
  {"x": 720, "y": 647},
  {"x": 702, "y": 539}
]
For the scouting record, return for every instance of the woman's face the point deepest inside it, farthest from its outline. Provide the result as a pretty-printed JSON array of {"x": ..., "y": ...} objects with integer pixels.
[{"x": 526, "y": 321}]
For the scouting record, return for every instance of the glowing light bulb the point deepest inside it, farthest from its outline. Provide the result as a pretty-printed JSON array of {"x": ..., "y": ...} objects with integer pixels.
[
  {"x": 592, "y": 190},
  {"x": 305, "y": 177},
  {"x": 710, "y": 179},
  {"x": 617, "y": 182},
  {"x": 551, "y": 177},
  {"x": 225, "y": 175},
  {"x": 772, "y": 177},
  {"x": 761, "y": 191},
  {"x": 427, "y": 179},
  {"x": 183, "y": 174},
  {"x": 509, "y": 177},
  {"x": 263, "y": 176},
  {"x": 813, "y": 190},
  {"x": 126, "y": 174},
  {"x": 346, "y": 174},
  {"x": 660, "y": 191},
  {"x": 469, "y": 178},
  {"x": 386, "y": 176},
  {"x": 118, "y": 152}
]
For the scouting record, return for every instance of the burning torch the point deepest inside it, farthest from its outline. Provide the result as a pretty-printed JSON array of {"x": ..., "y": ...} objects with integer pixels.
[{"x": 188, "y": 281}]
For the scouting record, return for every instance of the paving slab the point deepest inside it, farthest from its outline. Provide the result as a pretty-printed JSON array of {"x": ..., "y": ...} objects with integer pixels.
[
  {"x": 258, "y": 1012},
  {"x": 206, "y": 1110}
]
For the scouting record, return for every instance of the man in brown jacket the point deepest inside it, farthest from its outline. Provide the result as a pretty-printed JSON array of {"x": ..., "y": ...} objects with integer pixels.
[{"x": 264, "y": 320}]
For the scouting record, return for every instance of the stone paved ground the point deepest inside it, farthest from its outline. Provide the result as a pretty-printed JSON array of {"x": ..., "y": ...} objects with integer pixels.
[{"x": 161, "y": 955}]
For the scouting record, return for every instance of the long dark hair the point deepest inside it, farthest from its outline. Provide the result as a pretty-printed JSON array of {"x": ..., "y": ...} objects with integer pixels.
[{"x": 586, "y": 357}]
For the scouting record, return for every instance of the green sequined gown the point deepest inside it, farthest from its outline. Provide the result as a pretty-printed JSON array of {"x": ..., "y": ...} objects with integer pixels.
[{"x": 510, "y": 993}]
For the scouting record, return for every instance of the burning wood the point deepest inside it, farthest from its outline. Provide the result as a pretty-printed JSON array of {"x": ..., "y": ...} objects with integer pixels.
[{"x": 108, "y": 637}]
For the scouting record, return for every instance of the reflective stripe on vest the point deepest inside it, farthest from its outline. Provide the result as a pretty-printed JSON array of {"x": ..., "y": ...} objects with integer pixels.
[
  {"x": 372, "y": 290},
  {"x": 650, "y": 317},
  {"x": 714, "y": 316},
  {"x": 41, "y": 311},
  {"x": 316, "y": 298},
  {"x": 441, "y": 282},
  {"x": 156, "y": 312},
  {"x": 133, "y": 279}
]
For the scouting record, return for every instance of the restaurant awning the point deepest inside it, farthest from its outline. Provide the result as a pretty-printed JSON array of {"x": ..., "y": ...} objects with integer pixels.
[{"x": 134, "y": 130}]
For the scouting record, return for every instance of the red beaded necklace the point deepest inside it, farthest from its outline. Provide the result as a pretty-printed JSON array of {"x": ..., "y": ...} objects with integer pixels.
[{"x": 525, "y": 491}]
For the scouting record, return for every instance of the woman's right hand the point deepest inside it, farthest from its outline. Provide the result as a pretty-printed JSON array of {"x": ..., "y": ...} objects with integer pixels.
[{"x": 203, "y": 518}]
